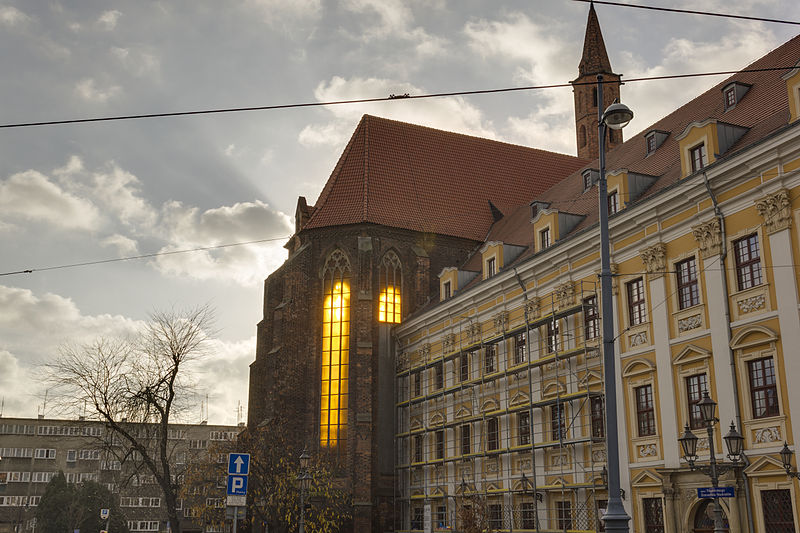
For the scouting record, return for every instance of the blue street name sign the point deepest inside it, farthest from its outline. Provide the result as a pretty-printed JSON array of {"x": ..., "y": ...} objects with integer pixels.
[
  {"x": 239, "y": 463},
  {"x": 237, "y": 485},
  {"x": 719, "y": 492}
]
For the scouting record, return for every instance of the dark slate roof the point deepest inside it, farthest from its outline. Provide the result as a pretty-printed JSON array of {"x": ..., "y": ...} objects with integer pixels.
[{"x": 418, "y": 178}]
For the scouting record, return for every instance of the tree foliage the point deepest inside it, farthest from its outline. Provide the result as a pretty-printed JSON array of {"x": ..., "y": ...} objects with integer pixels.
[
  {"x": 67, "y": 507},
  {"x": 273, "y": 493},
  {"x": 473, "y": 515},
  {"x": 137, "y": 386}
]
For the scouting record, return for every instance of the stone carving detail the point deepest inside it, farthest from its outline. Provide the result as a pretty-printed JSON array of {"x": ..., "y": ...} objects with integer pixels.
[
  {"x": 689, "y": 494},
  {"x": 474, "y": 332},
  {"x": 709, "y": 237},
  {"x": 425, "y": 351},
  {"x": 492, "y": 467},
  {"x": 599, "y": 456},
  {"x": 655, "y": 259},
  {"x": 747, "y": 305},
  {"x": 416, "y": 477},
  {"x": 465, "y": 471},
  {"x": 702, "y": 443},
  {"x": 648, "y": 450},
  {"x": 770, "y": 434},
  {"x": 559, "y": 459},
  {"x": 524, "y": 464},
  {"x": 501, "y": 322},
  {"x": 689, "y": 323},
  {"x": 776, "y": 210},
  {"x": 449, "y": 343},
  {"x": 532, "y": 308},
  {"x": 402, "y": 361},
  {"x": 637, "y": 339},
  {"x": 565, "y": 295}
]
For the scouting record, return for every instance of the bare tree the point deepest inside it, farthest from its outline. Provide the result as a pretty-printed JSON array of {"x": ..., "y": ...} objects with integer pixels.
[{"x": 137, "y": 387}]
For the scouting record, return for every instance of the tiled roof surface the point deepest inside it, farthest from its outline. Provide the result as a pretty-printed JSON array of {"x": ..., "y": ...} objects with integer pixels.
[
  {"x": 413, "y": 177},
  {"x": 595, "y": 58}
]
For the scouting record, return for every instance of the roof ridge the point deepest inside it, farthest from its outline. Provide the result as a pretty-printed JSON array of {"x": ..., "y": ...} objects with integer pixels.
[{"x": 365, "y": 183}]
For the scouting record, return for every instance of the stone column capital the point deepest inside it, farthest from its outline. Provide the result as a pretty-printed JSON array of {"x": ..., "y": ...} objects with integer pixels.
[{"x": 776, "y": 210}]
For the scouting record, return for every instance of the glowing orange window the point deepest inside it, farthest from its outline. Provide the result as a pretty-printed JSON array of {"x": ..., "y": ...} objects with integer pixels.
[
  {"x": 389, "y": 305},
  {"x": 391, "y": 287}
]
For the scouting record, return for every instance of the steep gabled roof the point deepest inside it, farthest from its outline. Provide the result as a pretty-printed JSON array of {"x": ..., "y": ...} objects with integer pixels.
[{"x": 418, "y": 178}]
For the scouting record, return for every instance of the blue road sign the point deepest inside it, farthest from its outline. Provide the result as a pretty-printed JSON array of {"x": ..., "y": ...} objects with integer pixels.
[
  {"x": 239, "y": 463},
  {"x": 237, "y": 485},
  {"x": 719, "y": 492}
]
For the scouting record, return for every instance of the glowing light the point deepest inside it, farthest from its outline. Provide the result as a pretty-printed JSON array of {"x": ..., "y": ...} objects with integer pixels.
[
  {"x": 335, "y": 362},
  {"x": 389, "y": 305}
]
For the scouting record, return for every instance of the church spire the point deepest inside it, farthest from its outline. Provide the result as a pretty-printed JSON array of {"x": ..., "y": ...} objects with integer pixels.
[{"x": 594, "y": 61}]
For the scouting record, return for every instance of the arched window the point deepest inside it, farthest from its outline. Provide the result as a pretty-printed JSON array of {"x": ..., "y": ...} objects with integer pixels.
[
  {"x": 583, "y": 135},
  {"x": 391, "y": 289},
  {"x": 335, "y": 352},
  {"x": 594, "y": 96}
]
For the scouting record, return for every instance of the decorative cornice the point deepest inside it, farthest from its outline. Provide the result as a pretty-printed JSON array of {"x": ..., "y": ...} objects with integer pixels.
[
  {"x": 709, "y": 236},
  {"x": 501, "y": 322},
  {"x": 776, "y": 210},
  {"x": 565, "y": 295},
  {"x": 532, "y": 308},
  {"x": 449, "y": 343},
  {"x": 655, "y": 259}
]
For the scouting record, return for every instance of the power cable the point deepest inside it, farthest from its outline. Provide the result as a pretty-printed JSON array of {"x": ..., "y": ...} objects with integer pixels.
[
  {"x": 143, "y": 256},
  {"x": 690, "y": 12},
  {"x": 391, "y": 97}
]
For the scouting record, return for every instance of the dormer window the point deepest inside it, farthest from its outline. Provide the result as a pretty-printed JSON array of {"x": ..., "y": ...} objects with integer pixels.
[
  {"x": 590, "y": 177},
  {"x": 447, "y": 290},
  {"x": 538, "y": 207},
  {"x": 653, "y": 140},
  {"x": 613, "y": 203},
  {"x": 491, "y": 267},
  {"x": 651, "y": 144},
  {"x": 698, "y": 157},
  {"x": 544, "y": 238},
  {"x": 733, "y": 93}
]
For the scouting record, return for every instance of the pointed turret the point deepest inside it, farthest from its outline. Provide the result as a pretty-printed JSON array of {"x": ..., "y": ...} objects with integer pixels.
[{"x": 594, "y": 61}]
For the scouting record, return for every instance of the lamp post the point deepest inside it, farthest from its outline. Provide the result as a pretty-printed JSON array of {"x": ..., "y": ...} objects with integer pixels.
[
  {"x": 733, "y": 441},
  {"x": 786, "y": 459},
  {"x": 305, "y": 482},
  {"x": 616, "y": 116}
]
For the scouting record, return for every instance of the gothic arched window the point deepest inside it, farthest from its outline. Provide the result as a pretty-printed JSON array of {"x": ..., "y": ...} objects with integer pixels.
[
  {"x": 583, "y": 135},
  {"x": 391, "y": 289},
  {"x": 335, "y": 352}
]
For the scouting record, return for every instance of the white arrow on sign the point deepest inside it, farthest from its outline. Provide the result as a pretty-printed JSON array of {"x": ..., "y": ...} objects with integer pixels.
[{"x": 238, "y": 462}]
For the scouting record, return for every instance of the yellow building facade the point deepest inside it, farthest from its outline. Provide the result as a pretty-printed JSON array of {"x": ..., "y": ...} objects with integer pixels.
[{"x": 499, "y": 384}]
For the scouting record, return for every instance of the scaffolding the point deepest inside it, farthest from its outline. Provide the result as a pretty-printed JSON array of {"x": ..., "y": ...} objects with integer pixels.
[{"x": 503, "y": 420}]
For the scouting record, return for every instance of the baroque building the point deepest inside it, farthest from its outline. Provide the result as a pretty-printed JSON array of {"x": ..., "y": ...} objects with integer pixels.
[{"x": 435, "y": 327}]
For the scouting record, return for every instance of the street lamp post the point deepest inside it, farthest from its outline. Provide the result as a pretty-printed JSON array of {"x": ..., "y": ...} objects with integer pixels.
[
  {"x": 615, "y": 117},
  {"x": 305, "y": 482},
  {"x": 733, "y": 441},
  {"x": 786, "y": 459}
]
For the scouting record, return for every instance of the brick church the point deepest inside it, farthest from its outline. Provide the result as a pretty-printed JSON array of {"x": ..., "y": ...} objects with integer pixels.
[{"x": 403, "y": 203}]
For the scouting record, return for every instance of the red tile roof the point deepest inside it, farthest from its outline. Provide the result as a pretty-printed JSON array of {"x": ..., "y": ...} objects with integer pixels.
[
  {"x": 595, "y": 58},
  {"x": 413, "y": 177}
]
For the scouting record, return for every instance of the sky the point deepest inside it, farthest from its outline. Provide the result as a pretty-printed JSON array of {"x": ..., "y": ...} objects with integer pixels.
[{"x": 87, "y": 192}]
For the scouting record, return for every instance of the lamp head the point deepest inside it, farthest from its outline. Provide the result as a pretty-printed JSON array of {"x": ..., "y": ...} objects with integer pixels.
[
  {"x": 617, "y": 116},
  {"x": 304, "y": 458},
  {"x": 689, "y": 445},
  {"x": 735, "y": 443},
  {"x": 786, "y": 457},
  {"x": 708, "y": 408}
]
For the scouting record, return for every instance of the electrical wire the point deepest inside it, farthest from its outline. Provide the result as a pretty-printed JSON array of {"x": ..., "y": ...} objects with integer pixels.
[
  {"x": 143, "y": 256},
  {"x": 690, "y": 12},
  {"x": 390, "y": 98}
]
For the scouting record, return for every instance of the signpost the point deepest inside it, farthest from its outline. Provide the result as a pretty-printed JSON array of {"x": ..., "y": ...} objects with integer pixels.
[
  {"x": 105, "y": 514},
  {"x": 238, "y": 471},
  {"x": 715, "y": 492}
]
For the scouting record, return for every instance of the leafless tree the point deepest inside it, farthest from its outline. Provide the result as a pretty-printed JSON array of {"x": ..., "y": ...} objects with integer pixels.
[{"x": 137, "y": 386}]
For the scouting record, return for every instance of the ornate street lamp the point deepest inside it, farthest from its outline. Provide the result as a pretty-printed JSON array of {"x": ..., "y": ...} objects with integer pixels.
[
  {"x": 786, "y": 459},
  {"x": 304, "y": 478},
  {"x": 616, "y": 116},
  {"x": 734, "y": 442}
]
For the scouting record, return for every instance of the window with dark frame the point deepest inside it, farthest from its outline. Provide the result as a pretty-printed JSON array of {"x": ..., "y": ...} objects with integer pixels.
[
  {"x": 688, "y": 287},
  {"x": 491, "y": 267},
  {"x": 564, "y": 515},
  {"x": 591, "y": 320},
  {"x": 651, "y": 143},
  {"x": 697, "y": 155},
  {"x": 777, "y": 510},
  {"x": 417, "y": 379},
  {"x": 466, "y": 439},
  {"x": 440, "y": 517},
  {"x": 528, "y": 517},
  {"x": 552, "y": 336},
  {"x": 645, "y": 413},
  {"x": 587, "y": 176},
  {"x": 464, "y": 367},
  {"x": 492, "y": 434},
  {"x": 490, "y": 359},
  {"x": 695, "y": 387},
  {"x": 495, "y": 516},
  {"x": 544, "y": 238},
  {"x": 524, "y": 427},
  {"x": 763, "y": 388},
  {"x": 653, "y": 515},
  {"x": 439, "y": 444},
  {"x": 519, "y": 347},
  {"x": 558, "y": 430},
  {"x": 730, "y": 97},
  {"x": 637, "y": 310},
  {"x": 748, "y": 262},
  {"x": 613, "y": 202},
  {"x": 418, "y": 518},
  {"x": 417, "y": 448},
  {"x": 447, "y": 290},
  {"x": 438, "y": 375},
  {"x": 598, "y": 417}
]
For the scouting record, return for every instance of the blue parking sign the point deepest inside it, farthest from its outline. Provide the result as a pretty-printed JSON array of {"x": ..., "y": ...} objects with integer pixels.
[{"x": 237, "y": 485}]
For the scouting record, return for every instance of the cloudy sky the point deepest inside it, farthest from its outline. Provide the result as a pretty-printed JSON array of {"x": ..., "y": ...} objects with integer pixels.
[{"x": 86, "y": 192}]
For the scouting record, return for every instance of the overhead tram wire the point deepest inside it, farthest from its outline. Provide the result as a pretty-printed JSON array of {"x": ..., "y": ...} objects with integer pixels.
[
  {"x": 690, "y": 12},
  {"x": 389, "y": 98},
  {"x": 143, "y": 256}
]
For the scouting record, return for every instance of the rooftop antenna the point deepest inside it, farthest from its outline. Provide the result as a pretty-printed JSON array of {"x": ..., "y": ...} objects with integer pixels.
[
  {"x": 2, "y": 405},
  {"x": 239, "y": 412}
]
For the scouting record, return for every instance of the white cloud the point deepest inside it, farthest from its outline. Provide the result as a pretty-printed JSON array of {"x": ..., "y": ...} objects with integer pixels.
[
  {"x": 454, "y": 114},
  {"x": 31, "y": 195},
  {"x": 224, "y": 376},
  {"x": 90, "y": 91},
  {"x": 118, "y": 190},
  {"x": 286, "y": 13},
  {"x": 108, "y": 20},
  {"x": 137, "y": 61},
  {"x": 125, "y": 246},
  {"x": 11, "y": 16}
]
